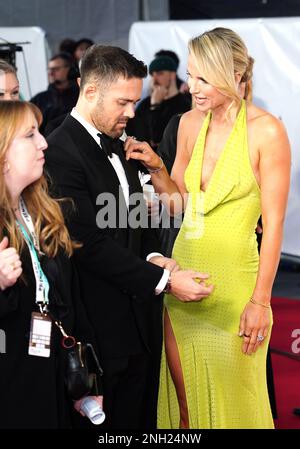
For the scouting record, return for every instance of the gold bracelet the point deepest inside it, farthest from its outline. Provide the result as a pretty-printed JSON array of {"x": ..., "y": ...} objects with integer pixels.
[{"x": 267, "y": 306}]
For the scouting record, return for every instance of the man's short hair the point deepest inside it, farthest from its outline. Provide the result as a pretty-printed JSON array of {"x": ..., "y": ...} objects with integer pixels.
[
  {"x": 104, "y": 63},
  {"x": 66, "y": 57}
]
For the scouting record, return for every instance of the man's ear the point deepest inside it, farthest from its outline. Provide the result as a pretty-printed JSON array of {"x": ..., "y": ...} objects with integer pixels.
[{"x": 90, "y": 92}]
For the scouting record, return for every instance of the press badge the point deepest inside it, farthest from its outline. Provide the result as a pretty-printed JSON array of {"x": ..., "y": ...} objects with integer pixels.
[{"x": 40, "y": 335}]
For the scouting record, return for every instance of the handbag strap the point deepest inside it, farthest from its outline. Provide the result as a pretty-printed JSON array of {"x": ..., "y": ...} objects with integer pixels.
[{"x": 68, "y": 341}]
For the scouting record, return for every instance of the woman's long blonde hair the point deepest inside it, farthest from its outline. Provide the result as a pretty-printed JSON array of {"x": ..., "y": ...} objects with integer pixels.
[
  {"x": 220, "y": 54},
  {"x": 45, "y": 212}
]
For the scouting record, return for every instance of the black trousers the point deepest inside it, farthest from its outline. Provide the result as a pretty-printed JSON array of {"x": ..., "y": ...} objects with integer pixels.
[{"x": 125, "y": 384}]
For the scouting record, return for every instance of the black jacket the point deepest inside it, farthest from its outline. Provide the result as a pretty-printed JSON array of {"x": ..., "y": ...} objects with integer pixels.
[
  {"x": 116, "y": 282},
  {"x": 55, "y": 102},
  {"x": 32, "y": 389}
]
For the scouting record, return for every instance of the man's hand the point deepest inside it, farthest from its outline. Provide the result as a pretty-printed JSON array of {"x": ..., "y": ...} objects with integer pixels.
[
  {"x": 165, "y": 262},
  {"x": 159, "y": 93},
  {"x": 10, "y": 265},
  {"x": 185, "y": 287}
]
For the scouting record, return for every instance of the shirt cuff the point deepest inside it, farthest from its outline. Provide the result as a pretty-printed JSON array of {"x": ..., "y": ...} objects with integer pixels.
[
  {"x": 162, "y": 283},
  {"x": 152, "y": 255},
  {"x": 165, "y": 277}
]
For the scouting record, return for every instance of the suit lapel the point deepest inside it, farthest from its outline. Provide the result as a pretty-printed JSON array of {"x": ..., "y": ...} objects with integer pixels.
[
  {"x": 131, "y": 173},
  {"x": 94, "y": 157}
]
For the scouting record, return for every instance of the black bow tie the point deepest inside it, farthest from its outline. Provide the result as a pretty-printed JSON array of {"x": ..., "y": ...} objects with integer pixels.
[{"x": 110, "y": 145}]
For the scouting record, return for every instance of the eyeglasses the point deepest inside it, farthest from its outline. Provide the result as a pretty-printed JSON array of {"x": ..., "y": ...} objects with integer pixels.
[{"x": 55, "y": 69}]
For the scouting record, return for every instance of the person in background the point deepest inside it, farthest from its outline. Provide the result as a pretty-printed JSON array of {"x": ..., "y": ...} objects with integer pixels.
[
  {"x": 9, "y": 84},
  {"x": 232, "y": 165},
  {"x": 182, "y": 85},
  {"x": 154, "y": 112},
  {"x": 67, "y": 45},
  {"x": 38, "y": 284},
  {"x": 80, "y": 47},
  {"x": 62, "y": 92}
]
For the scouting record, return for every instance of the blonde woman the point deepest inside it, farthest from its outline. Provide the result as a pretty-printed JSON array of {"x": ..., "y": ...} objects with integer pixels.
[
  {"x": 9, "y": 84},
  {"x": 233, "y": 161},
  {"x": 37, "y": 283}
]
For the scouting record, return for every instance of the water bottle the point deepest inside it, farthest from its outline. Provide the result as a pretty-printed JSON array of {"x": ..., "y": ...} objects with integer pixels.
[{"x": 92, "y": 410}]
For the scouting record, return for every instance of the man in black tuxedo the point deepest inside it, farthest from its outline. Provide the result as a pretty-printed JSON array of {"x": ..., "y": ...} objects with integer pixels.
[{"x": 120, "y": 269}]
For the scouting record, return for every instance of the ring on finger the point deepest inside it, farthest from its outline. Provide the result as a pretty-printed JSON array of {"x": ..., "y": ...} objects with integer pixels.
[{"x": 260, "y": 338}]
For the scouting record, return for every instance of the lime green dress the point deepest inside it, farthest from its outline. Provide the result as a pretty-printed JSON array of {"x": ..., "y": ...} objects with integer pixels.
[{"x": 224, "y": 388}]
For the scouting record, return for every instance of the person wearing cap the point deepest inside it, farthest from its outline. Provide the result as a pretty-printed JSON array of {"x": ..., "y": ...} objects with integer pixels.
[
  {"x": 182, "y": 85},
  {"x": 165, "y": 100}
]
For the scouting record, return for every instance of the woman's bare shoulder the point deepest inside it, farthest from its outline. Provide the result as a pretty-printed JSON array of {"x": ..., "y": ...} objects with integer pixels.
[
  {"x": 265, "y": 130},
  {"x": 261, "y": 120},
  {"x": 192, "y": 119},
  {"x": 193, "y": 115},
  {"x": 189, "y": 127}
]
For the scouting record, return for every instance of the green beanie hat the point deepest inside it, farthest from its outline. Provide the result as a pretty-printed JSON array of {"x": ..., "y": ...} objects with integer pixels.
[{"x": 162, "y": 63}]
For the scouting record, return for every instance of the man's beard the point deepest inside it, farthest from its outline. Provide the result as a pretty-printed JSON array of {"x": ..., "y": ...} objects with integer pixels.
[{"x": 57, "y": 82}]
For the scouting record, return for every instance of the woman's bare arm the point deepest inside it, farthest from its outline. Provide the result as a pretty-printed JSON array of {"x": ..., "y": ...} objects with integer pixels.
[
  {"x": 274, "y": 171},
  {"x": 172, "y": 188},
  {"x": 274, "y": 174}
]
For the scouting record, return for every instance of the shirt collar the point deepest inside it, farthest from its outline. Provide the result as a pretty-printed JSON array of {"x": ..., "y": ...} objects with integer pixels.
[{"x": 90, "y": 128}]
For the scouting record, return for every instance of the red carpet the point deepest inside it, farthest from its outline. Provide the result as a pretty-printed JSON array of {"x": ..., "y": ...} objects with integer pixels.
[{"x": 286, "y": 314}]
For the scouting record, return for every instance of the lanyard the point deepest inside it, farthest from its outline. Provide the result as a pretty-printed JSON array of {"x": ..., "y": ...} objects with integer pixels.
[
  {"x": 27, "y": 219},
  {"x": 42, "y": 284}
]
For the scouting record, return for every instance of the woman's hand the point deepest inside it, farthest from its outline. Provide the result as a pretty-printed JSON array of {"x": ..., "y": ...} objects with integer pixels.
[
  {"x": 254, "y": 326},
  {"x": 77, "y": 404},
  {"x": 10, "y": 265},
  {"x": 141, "y": 151}
]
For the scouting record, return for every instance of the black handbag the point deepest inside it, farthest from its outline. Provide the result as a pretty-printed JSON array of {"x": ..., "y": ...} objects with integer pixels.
[
  {"x": 82, "y": 371},
  {"x": 81, "y": 367}
]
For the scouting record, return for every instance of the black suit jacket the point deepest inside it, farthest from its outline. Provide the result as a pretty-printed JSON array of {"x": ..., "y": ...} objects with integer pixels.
[{"x": 117, "y": 284}]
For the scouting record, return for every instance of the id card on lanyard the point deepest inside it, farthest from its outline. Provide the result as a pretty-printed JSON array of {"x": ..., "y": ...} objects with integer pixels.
[
  {"x": 41, "y": 324},
  {"x": 40, "y": 335}
]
